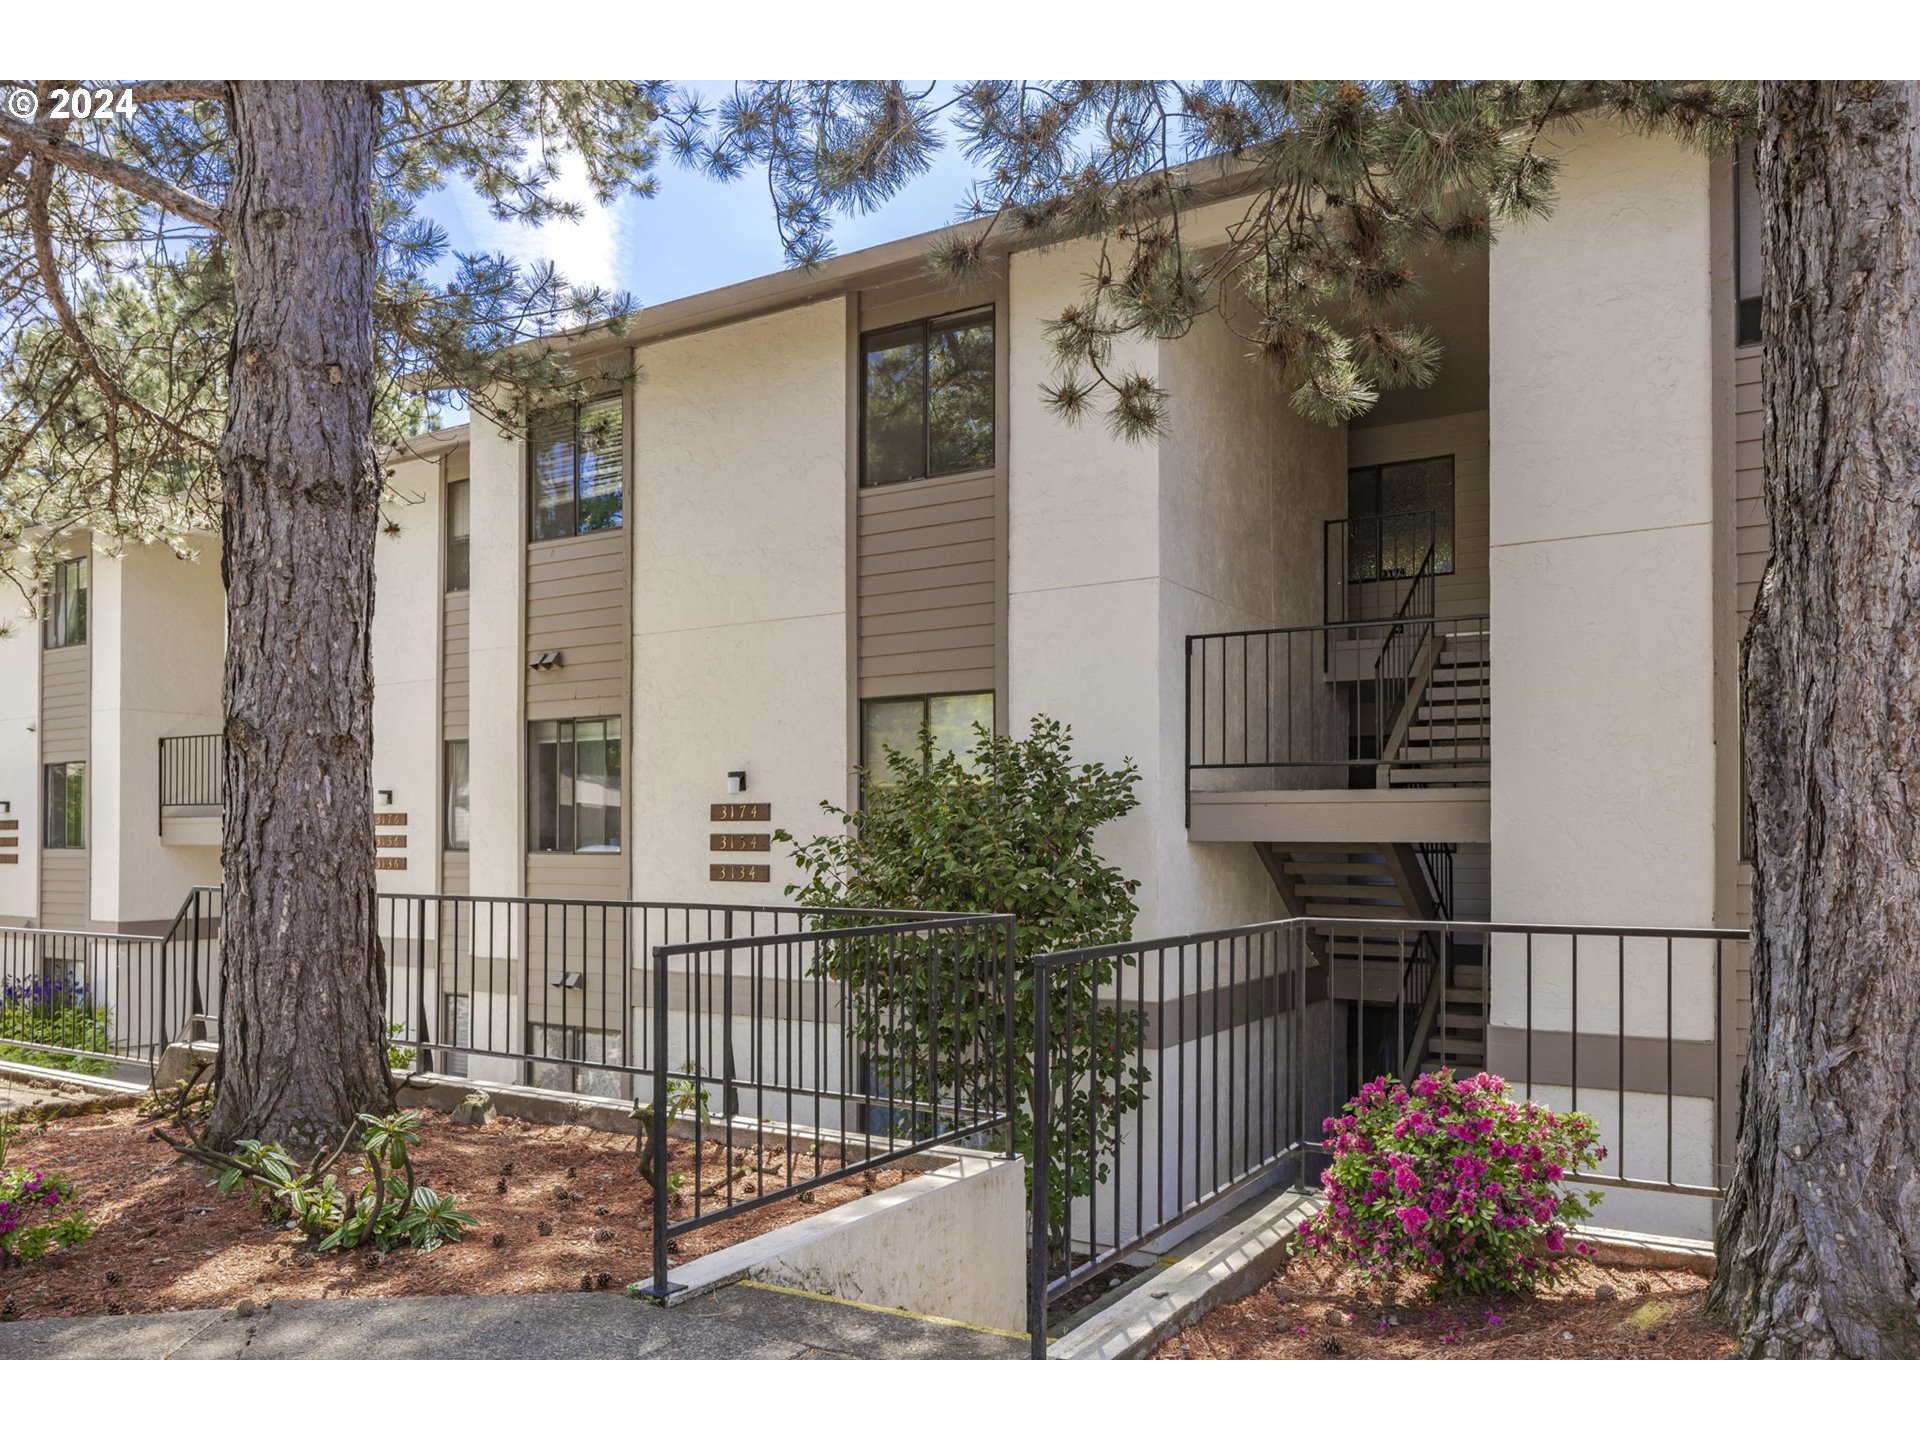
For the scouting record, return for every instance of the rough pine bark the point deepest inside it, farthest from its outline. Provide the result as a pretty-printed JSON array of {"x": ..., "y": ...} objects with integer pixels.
[
  {"x": 1820, "y": 1238},
  {"x": 304, "y": 986}
]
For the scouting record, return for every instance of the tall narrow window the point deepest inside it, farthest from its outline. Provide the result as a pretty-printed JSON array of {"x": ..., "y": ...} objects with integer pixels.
[
  {"x": 1394, "y": 514},
  {"x": 573, "y": 786},
  {"x": 1746, "y": 247},
  {"x": 459, "y": 535},
  {"x": 578, "y": 468},
  {"x": 66, "y": 622},
  {"x": 892, "y": 727},
  {"x": 926, "y": 399},
  {"x": 66, "y": 827},
  {"x": 459, "y": 797}
]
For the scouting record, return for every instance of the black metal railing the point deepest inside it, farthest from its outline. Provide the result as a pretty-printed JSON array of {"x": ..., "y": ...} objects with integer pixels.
[
  {"x": 103, "y": 1003},
  {"x": 1367, "y": 560},
  {"x": 192, "y": 771},
  {"x": 1254, "y": 1038},
  {"x": 816, "y": 1056},
  {"x": 1338, "y": 706}
]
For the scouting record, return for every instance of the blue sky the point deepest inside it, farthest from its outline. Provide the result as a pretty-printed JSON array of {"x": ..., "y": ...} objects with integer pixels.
[{"x": 695, "y": 234}]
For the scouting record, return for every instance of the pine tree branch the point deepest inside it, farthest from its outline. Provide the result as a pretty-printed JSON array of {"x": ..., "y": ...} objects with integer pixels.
[
  {"x": 111, "y": 392},
  {"x": 115, "y": 172}
]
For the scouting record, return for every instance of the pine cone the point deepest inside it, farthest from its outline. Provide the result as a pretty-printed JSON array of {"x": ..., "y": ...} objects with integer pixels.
[
  {"x": 499, "y": 1240},
  {"x": 1329, "y": 1346},
  {"x": 545, "y": 1227},
  {"x": 586, "y": 1283}
]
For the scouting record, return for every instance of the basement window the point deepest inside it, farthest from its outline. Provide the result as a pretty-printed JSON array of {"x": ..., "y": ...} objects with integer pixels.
[
  {"x": 561, "y": 1044},
  {"x": 926, "y": 398},
  {"x": 577, "y": 455}
]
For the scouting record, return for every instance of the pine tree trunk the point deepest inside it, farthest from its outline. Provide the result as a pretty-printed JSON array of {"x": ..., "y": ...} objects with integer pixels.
[
  {"x": 1820, "y": 1240},
  {"x": 302, "y": 1024}
]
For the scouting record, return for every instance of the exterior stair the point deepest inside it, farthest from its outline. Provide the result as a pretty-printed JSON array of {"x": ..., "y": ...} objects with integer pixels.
[
  {"x": 1438, "y": 985},
  {"x": 1446, "y": 737},
  {"x": 1459, "y": 1036}
]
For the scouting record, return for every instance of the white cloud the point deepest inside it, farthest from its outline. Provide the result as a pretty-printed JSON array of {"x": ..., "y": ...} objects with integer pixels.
[{"x": 587, "y": 250}]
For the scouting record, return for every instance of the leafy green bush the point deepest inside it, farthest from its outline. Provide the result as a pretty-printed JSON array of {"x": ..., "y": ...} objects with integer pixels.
[
  {"x": 385, "y": 1209},
  {"x": 1006, "y": 829},
  {"x": 54, "y": 1011},
  {"x": 1455, "y": 1179},
  {"x": 38, "y": 1212}
]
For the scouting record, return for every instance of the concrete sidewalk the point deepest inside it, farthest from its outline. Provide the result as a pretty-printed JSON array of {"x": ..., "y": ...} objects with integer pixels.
[{"x": 747, "y": 1321}]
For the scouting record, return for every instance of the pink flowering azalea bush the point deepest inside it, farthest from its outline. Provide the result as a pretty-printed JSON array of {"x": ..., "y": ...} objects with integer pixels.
[
  {"x": 37, "y": 1212},
  {"x": 1456, "y": 1179}
]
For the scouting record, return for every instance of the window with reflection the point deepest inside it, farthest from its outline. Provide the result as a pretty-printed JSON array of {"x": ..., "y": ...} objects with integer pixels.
[
  {"x": 926, "y": 399},
  {"x": 577, "y": 458},
  {"x": 573, "y": 786},
  {"x": 890, "y": 729},
  {"x": 1394, "y": 513}
]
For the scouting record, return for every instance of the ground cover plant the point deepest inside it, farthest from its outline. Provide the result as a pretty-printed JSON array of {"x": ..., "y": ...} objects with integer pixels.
[{"x": 39, "y": 1211}]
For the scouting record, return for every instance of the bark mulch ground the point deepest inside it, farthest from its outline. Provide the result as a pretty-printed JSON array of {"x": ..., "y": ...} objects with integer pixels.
[
  {"x": 167, "y": 1240},
  {"x": 1601, "y": 1311}
]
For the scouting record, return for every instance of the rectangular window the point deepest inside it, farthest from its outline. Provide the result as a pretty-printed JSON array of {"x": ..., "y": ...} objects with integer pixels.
[
  {"x": 577, "y": 458},
  {"x": 562, "y": 1043},
  {"x": 892, "y": 727},
  {"x": 1746, "y": 247},
  {"x": 66, "y": 621},
  {"x": 459, "y": 535},
  {"x": 926, "y": 398},
  {"x": 459, "y": 797},
  {"x": 573, "y": 786},
  {"x": 1394, "y": 513},
  {"x": 456, "y": 1028},
  {"x": 66, "y": 827}
]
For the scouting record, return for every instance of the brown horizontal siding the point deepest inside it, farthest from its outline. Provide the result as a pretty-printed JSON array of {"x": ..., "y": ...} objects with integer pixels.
[
  {"x": 576, "y": 877},
  {"x": 579, "y": 602},
  {"x": 455, "y": 675},
  {"x": 454, "y": 872},
  {"x": 65, "y": 889},
  {"x": 65, "y": 703}
]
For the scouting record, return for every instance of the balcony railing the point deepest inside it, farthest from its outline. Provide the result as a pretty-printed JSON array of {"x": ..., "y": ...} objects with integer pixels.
[
  {"x": 1369, "y": 559},
  {"x": 191, "y": 775}
]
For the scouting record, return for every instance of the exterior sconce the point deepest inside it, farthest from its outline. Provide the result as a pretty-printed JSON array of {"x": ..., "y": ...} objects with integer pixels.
[
  {"x": 546, "y": 660},
  {"x": 6, "y": 807},
  {"x": 384, "y": 796},
  {"x": 569, "y": 980},
  {"x": 736, "y": 781}
]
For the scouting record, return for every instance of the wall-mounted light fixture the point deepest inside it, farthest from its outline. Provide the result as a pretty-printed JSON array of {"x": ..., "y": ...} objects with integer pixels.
[
  {"x": 736, "y": 781},
  {"x": 6, "y": 807},
  {"x": 546, "y": 660},
  {"x": 385, "y": 796},
  {"x": 569, "y": 980}
]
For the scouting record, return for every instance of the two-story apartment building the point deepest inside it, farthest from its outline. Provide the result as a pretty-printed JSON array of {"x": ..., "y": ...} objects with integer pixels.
[{"x": 1473, "y": 654}]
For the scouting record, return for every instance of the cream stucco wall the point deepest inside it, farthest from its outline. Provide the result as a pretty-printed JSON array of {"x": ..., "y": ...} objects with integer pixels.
[
  {"x": 1120, "y": 550},
  {"x": 1083, "y": 555},
  {"x": 20, "y": 760},
  {"x": 157, "y": 634},
  {"x": 496, "y": 660},
  {"x": 740, "y": 591},
  {"x": 406, "y": 673},
  {"x": 1601, "y": 490}
]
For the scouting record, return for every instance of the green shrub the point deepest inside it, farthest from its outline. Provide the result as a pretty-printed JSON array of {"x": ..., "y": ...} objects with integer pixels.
[
  {"x": 1455, "y": 1179},
  {"x": 1006, "y": 829}
]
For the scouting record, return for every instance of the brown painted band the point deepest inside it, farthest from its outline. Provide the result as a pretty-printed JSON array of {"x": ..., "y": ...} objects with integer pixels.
[{"x": 1605, "y": 1062}]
